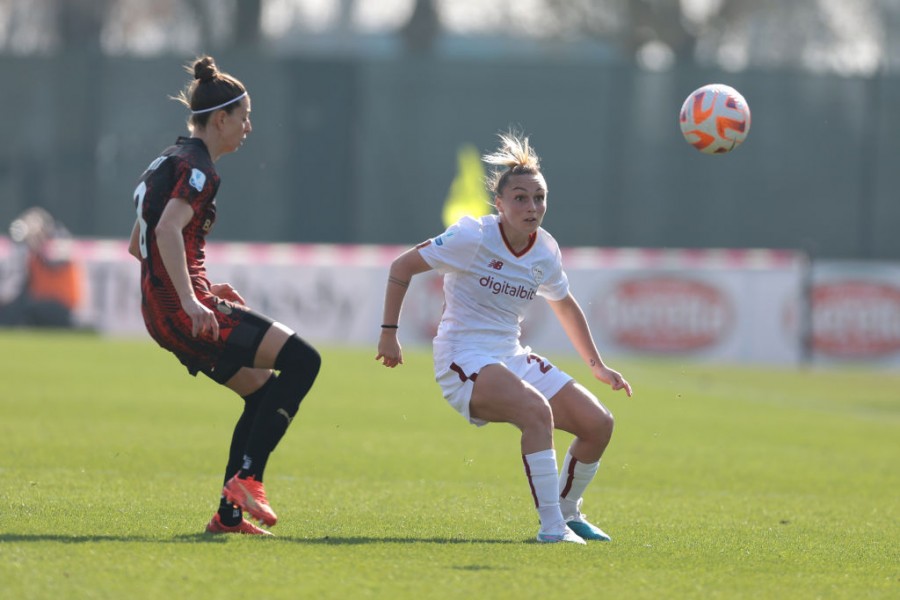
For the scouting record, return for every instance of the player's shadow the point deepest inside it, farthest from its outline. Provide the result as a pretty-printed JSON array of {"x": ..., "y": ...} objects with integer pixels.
[
  {"x": 361, "y": 541},
  {"x": 187, "y": 538},
  {"x": 72, "y": 538},
  {"x": 198, "y": 538},
  {"x": 331, "y": 540}
]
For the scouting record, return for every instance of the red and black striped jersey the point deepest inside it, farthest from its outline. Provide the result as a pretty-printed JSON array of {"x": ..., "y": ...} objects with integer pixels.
[{"x": 184, "y": 170}]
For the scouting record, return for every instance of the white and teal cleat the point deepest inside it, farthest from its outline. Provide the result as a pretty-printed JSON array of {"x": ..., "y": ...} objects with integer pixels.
[
  {"x": 567, "y": 535},
  {"x": 586, "y": 530}
]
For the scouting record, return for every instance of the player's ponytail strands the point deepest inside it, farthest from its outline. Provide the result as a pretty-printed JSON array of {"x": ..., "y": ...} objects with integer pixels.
[
  {"x": 516, "y": 156},
  {"x": 223, "y": 105}
]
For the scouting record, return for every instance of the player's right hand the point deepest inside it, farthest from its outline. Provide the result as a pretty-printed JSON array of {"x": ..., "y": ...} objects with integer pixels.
[{"x": 203, "y": 321}]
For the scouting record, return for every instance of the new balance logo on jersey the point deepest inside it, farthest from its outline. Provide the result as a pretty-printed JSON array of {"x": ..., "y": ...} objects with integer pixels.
[
  {"x": 496, "y": 264},
  {"x": 503, "y": 287}
]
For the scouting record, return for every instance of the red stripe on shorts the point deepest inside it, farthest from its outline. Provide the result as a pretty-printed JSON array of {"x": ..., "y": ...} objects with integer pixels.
[{"x": 462, "y": 376}]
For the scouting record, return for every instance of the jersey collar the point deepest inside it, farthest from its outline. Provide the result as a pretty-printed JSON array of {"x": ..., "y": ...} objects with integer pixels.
[
  {"x": 191, "y": 141},
  {"x": 531, "y": 240}
]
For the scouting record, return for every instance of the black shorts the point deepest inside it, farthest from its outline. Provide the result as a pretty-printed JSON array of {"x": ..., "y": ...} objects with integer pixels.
[
  {"x": 240, "y": 332},
  {"x": 240, "y": 347}
]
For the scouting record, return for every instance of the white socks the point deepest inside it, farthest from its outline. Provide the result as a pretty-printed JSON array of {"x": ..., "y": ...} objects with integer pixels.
[
  {"x": 543, "y": 477},
  {"x": 574, "y": 478}
]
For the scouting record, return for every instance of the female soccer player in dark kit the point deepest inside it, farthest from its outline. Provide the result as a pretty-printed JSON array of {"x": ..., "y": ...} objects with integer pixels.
[
  {"x": 493, "y": 267},
  {"x": 206, "y": 325}
]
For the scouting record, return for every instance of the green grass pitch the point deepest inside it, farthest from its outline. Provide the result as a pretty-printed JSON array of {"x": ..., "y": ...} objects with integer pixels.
[{"x": 719, "y": 483}]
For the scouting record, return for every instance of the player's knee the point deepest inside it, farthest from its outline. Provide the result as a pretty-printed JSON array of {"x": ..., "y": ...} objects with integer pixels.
[
  {"x": 298, "y": 356},
  {"x": 606, "y": 423},
  {"x": 312, "y": 360},
  {"x": 299, "y": 364},
  {"x": 599, "y": 426},
  {"x": 536, "y": 413},
  {"x": 589, "y": 419}
]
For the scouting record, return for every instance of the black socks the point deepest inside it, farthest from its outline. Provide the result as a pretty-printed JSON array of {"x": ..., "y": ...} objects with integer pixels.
[
  {"x": 230, "y": 515},
  {"x": 298, "y": 364}
]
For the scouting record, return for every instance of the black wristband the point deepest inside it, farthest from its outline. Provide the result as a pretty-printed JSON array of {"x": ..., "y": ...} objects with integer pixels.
[{"x": 389, "y": 326}]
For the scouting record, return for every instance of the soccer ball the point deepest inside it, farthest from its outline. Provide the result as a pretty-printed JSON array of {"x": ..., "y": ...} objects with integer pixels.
[{"x": 715, "y": 119}]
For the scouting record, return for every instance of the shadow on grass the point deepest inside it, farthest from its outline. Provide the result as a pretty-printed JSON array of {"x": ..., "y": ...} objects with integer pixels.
[
  {"x": 193, "y": 538},
  {"x": 360, "y": 541},
  {"x": 90, "y": 539}
]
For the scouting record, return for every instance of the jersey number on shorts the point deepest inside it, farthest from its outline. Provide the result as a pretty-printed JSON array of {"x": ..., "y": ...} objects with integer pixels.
[{"x": 544, "y": 367}]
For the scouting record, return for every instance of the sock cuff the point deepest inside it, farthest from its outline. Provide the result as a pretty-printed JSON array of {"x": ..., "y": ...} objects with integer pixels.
[
  {"x": 548, "y": 453},
  {"x": 575, "y": 476},
  {"x": 576, "y": 467},
  {"x": 542, "y": 462}
]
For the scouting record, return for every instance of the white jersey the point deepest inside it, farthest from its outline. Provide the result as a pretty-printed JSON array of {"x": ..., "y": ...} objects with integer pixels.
[{"x": 488, "y": 287}]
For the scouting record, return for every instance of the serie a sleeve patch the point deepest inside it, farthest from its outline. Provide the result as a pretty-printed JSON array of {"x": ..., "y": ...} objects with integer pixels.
[{"x": 198, "y": 179}]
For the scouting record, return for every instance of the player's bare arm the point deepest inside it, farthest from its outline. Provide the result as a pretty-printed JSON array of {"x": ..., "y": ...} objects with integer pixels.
[
  {"x": 402, "y": 270},
  {"x": 175, "y": 216},
  {"x": 574, "y": 323}
]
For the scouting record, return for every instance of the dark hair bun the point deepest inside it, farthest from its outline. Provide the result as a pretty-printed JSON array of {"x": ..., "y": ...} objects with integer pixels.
[{"x": 205, "y": 69}]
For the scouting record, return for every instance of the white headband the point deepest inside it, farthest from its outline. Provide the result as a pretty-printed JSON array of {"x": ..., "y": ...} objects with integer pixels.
[{"x": 224, "y": 104}]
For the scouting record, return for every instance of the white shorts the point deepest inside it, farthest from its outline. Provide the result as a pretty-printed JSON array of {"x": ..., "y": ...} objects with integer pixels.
[{"x": 456, "y": 373}]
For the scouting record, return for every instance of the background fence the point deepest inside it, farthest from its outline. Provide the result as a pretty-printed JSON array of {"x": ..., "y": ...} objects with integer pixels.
[
  {"x": 363, "y": 150},
  {"x": 722, "y": 306}
]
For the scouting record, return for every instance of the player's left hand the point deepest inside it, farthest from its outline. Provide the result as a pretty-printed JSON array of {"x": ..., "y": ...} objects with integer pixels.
[
  {"x": 613, "y": 378},
  {"x": 226, "y": 292}
]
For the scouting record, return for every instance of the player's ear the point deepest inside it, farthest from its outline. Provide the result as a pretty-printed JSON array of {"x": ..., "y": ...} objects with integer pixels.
[{"x": 218, "y": 118}]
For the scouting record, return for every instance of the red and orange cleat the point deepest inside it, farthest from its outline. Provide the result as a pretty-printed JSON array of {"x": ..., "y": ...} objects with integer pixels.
[
  {"x": 216, "y": 526},
  {"x": 250, "y": 496}
]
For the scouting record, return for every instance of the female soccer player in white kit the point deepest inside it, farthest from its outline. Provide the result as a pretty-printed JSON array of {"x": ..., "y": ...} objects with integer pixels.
[{"x": 493, "y": 267}]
